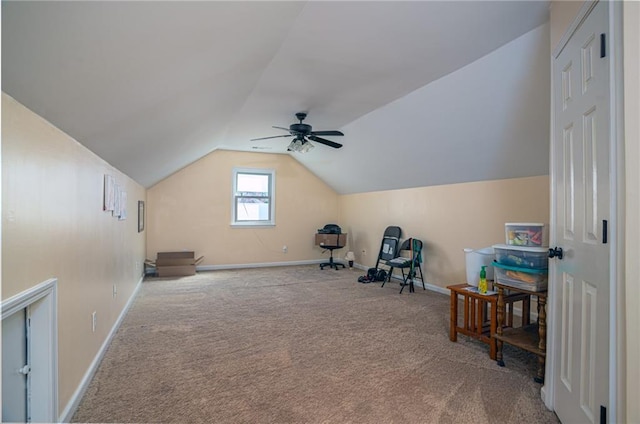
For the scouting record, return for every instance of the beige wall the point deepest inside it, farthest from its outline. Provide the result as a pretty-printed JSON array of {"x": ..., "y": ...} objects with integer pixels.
[
  {"x": 446, "y": 218},
  {"x": 632, "y": 150},
  {"x": 53, "y": 226},
  {"x": 191, "y": 210}
]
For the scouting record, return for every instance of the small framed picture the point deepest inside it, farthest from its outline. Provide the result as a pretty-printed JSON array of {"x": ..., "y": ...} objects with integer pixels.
[
  {"x": 109, "y": 193},
  {"x": 140, "y": 216}
]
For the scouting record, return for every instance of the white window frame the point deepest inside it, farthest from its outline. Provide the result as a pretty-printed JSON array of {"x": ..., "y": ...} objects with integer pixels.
[{"x": 271, "y": 173}]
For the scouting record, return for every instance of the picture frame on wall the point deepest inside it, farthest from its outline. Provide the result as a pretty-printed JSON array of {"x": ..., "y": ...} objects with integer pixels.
[
  {"x": 123, "y": 206},
  {"x": 140, "y": 216},
  {"x": 109, "y": 193}
]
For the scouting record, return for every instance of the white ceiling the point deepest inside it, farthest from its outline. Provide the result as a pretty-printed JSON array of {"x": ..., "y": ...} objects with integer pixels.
[{"x": 426, "y": 92}]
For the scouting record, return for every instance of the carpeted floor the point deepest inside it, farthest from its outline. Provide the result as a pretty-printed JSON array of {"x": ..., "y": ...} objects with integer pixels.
[{"x": 301, "y": 345}]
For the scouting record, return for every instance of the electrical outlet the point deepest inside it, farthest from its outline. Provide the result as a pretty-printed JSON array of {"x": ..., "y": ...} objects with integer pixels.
[
  {"x": 93, "y": 321},
  {"x": 284, "y": 249},
  {"x": 115, "y": 291}
]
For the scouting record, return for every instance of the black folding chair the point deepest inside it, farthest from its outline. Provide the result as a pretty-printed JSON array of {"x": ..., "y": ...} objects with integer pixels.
[
  {"x": 409, "y": 265},
  {"x": 389, "y": 246}
]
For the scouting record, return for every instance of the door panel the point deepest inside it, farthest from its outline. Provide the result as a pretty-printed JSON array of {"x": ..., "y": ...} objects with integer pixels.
[
  {"x": 569, "y": 188},
  {"x": 581, "y": 172},
  {"x": 566, "y": 341},
  {"x": 14, "y": 357},
  {"x": 588, "y": 349}
]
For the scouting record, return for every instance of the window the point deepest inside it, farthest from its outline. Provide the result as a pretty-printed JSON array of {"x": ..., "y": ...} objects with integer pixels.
[{"x": 253, "y": 199}]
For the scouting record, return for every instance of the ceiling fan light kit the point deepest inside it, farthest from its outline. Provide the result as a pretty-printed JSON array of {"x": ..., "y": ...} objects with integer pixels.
[
  {"x": 300, "y": 146},
  {"x": 303, "y": 133}
]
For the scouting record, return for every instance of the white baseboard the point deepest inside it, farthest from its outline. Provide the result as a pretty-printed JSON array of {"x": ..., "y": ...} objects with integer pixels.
[
  {"x": 517, "y": 311},
  {"x": 416, "y": 283},
  {"x": 258, "y": 265},
  {"x": 428, "y": 286},
  {"x": 425, "y": 285},
  {"x": 73, "y": 403},
  {"x": 360, "y": 266},
  {"x": 151, "y": 270}
]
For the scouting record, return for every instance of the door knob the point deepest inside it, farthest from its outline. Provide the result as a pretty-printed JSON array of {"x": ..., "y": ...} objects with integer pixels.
[{"x": 556, "y": 252}]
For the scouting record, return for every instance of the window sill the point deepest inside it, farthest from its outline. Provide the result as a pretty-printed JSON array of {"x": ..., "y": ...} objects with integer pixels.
[{"x": 253, "y": 225}]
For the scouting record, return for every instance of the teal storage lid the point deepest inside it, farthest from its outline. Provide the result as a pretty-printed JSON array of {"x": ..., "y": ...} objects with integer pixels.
[{"x": 518, "y": 269}]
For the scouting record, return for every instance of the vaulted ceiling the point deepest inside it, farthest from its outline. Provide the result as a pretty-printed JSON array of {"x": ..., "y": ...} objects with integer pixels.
[{"x": 426, "y": 92}]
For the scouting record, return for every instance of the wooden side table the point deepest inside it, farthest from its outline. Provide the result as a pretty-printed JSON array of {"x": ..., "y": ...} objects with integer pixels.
[
  {"x": 475, "y": 323},
  {"x": 532, "y": 338}
]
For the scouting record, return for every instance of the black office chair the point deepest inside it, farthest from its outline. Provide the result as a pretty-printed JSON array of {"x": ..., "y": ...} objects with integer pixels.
[
  {"x": 409, "y": 265},
  {"x": 330, "y": 238},
  {"x": 331, "y": 263}
]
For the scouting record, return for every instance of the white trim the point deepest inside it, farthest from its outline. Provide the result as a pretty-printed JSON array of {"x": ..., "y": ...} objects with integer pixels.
[
  {"x": 420, "y": 284},
  {"x": 149, "y": 270},
  {"x": 75, "y": 399},
  {"x": 272, "y": 197},
  {"x": 428, "y": 286},
  {"x": 617, "y": 211},
  {"x": 425, "y": 285},
  {"x": 27, "y": 297},
  {"x": 547, "y": 392},
  {"x": 258, "y": 265},
  {"x": 251, "y": 224},
  {"x": 359, "y": 266},
  {"x": 43, "y": 300},
  {"x": 436, "y": 289}
]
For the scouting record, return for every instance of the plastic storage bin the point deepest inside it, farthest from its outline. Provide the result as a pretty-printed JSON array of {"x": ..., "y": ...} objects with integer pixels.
[
  {"x": 475, "y": 259},
  {"x": 526, "y": 234},
  {"x": 521, "y": 278},
  {"x": 521, "y": 256}
]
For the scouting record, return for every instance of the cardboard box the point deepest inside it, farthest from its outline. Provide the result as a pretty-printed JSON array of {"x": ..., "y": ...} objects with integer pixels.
[
  {"x": 175, "y": 270},
  {"x": 331, "y": 240},
  {"x": 175, "y": 264}
]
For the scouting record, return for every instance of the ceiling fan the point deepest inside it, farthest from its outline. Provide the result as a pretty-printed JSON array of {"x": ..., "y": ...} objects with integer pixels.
[{"x": 302, "y": 133}]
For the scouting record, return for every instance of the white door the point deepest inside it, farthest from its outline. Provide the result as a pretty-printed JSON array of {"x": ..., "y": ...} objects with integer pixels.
[
  {"x": 582, "y": 198},
  {"x": 14, "y": 374}
]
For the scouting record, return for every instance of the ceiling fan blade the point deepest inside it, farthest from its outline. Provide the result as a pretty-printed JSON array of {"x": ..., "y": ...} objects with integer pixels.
[
  {"x": 275, "y": 136},
  {"x": 332, "y": 132},
  {"x": 325, "y": 142},
  {"x": 281, "y": 128}
]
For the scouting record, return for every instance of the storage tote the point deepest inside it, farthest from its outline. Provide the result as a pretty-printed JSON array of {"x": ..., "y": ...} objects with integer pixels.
[
  {"x": 522, "y": 256},
  {"x": 521, "y": 278},
  {"x": 526, "y": 234}
]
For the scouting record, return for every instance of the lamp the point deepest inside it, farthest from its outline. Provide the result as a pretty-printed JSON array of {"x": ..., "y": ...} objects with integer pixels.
[
  {"x": 306, "y": 147},
  {"x": 300, "y": 145},
  {"x": 350, "y": 257}
]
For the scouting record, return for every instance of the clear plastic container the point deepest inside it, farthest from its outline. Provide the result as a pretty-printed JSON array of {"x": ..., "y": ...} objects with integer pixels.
[
  {"x": 475, "y": 259},
  {"x": 521, "y": 278},
  {"x": 526, "y": 234},
  {"x": 522, "y": 256}
]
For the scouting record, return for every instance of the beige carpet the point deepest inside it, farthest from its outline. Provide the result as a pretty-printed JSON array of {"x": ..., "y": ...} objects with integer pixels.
[{"x": 301, "y": 345}]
